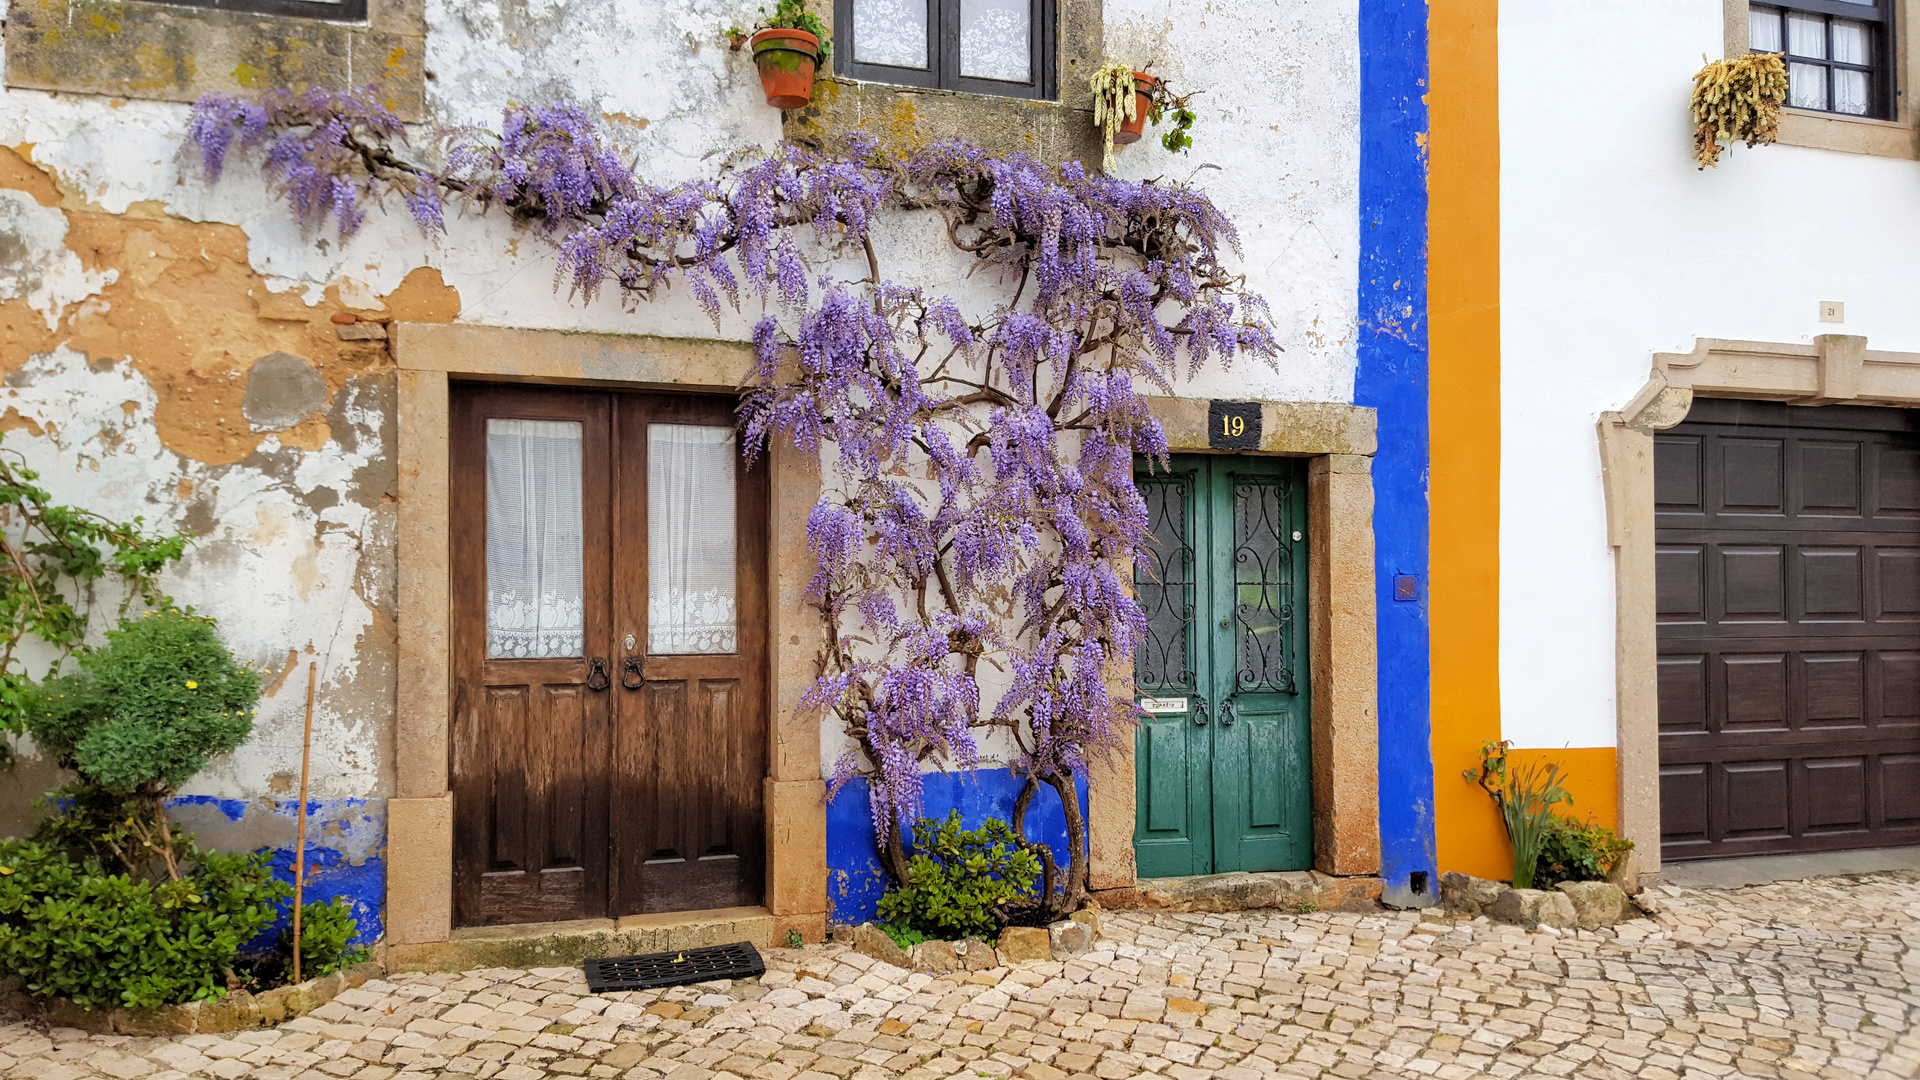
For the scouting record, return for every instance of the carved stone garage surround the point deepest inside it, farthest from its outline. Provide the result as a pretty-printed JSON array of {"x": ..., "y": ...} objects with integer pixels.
[{"x": 1834, "y": 368}]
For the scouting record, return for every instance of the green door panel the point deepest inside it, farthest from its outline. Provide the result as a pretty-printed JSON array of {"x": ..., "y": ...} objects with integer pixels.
[
  {"x": 1224, "y": 592},
  {"x": 1172, "y": 813}
]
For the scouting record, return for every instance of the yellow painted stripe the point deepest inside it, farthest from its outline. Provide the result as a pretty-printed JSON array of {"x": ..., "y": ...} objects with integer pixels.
[{"x": 1463, "y": 295}]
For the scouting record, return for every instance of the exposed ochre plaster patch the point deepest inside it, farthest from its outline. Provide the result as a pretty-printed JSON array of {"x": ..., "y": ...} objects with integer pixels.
[{"x": 35, "y": 264}]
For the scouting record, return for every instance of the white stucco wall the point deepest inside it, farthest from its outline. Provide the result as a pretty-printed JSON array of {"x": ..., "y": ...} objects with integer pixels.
[
  {"x": 1614, "y": 246},
  {"x": 1278, "y": 115}
]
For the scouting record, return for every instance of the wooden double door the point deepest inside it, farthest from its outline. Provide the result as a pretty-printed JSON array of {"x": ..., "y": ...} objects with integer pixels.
[
  {"x": 609, "y": 571},
  {"x": 1223, "y": 755},
  {"x": 1787, "y": 544}
]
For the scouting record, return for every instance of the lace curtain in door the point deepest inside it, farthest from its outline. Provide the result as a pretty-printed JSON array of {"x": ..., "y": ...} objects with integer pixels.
[
  {"x": 690, "y": 555},
  {"x": 535, "y": 593}
]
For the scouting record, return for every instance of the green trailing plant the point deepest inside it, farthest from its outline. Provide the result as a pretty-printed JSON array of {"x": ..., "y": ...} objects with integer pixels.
[
  {"x": 903, "y": 936},
  {"x": 794, "y": 940},
  {"x": 1164, "y": 104},
  {"x": 115, "y": 941},
  {"x": 326, "y": 938},
  {"x": 1578, "y": 851},
  {"x": 51, "y": 559},
  {"x": 138, "y": 718},
  {"x": 1115, "y": 102},
  {"x": 1737, "y": 100},
  {"x": 1526, "y": 796},
  {"x": 961, "y": 882}
]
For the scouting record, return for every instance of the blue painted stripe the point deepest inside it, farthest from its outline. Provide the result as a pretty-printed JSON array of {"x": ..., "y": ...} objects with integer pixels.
[
  {"x": 1392, "y": 378},
  {"x": 855, "y": 880}
]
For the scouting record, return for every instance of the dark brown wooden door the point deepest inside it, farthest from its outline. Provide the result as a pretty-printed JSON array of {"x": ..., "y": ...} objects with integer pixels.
[
  {"x": 609, "y": 649},
  {"x": 1788, "y": 555}
]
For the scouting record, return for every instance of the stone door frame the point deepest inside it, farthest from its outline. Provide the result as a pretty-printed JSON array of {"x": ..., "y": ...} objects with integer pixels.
[
  {"x": 1833, "y": 369},
  {"x": 420, "y": 812},
  {"x": 1342, "y": 645}
]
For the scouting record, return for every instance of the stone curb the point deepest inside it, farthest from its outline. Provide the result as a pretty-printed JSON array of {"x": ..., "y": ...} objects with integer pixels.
[
  {"x": 1586, "y": 905},
  {"x": 1062, "y": 940},
  {"x": 238, "y": 1011}
]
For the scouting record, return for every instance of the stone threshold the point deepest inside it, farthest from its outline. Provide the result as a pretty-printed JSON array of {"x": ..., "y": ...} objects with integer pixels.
[
  {"x": 563, "y": 944},
  {"x": 1290, "y": 890}
]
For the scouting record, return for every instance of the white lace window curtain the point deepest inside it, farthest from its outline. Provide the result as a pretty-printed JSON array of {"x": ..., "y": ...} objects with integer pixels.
[
  {"x": 994, "y": 39},
  {"x": 892, "y": 32},
  {"x": 536, "y": 596},
  {"x": 690, "y": 549}
]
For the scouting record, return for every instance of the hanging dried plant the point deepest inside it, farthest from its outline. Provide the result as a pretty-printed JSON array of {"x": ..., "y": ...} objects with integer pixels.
[
  {"x": 1736, "y": 99},
  {"x": 1114, "y": 102}
]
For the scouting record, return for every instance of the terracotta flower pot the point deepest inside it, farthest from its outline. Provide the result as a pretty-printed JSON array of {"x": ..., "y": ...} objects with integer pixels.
[
  {"x": 1143, "y": 100},
  {"x": 786, "y": 59}
]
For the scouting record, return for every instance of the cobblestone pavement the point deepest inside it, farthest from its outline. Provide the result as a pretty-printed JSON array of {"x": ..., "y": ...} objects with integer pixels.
[{"x": 1801, "y": 979}]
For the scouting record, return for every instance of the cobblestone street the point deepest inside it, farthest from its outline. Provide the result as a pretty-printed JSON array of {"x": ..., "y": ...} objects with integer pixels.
[{"x": 1796, "y": 979}]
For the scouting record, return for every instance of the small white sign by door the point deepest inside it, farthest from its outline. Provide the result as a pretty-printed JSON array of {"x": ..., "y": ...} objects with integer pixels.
[{"x": 1161, "y": 706}]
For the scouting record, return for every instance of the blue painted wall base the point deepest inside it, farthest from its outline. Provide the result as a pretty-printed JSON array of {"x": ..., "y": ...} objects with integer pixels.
[
  {"x": 346, "y": 850},
  {"x": 855, "y": 880}
]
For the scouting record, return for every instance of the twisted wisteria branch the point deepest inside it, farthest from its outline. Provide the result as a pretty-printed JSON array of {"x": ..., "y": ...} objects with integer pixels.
[{"x": 981, "y": 505}]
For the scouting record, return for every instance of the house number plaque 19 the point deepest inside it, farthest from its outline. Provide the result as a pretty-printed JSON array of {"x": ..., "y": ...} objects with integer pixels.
[{"x": 1233, "y": 425}]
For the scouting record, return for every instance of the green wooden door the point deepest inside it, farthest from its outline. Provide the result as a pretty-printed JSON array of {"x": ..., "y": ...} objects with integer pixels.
[{"x": 1222, "y": 756}]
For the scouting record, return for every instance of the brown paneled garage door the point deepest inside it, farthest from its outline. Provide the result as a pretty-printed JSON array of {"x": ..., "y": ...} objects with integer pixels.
[{"x": 1789, "y": 611}]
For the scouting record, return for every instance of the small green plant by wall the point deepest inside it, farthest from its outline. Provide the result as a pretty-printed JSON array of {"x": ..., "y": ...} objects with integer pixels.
[
  {"x": 1547, "y": 848},
  {"x": 960, "y": 882}
]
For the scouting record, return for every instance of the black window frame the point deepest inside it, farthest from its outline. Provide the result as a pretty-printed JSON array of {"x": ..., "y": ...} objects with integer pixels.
[
  {"x": 1882, "y": 70},
  {"x": 347, "y": 11},
  {"x": 943, "y": 54}
]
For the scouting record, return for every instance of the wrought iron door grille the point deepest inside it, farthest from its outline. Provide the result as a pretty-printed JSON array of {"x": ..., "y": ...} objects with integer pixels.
[
  {"x": 675, "y": 968},
  {"x": 1263, "y": 586}
]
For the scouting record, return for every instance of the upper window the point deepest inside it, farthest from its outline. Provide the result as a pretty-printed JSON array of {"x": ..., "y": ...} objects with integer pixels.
[
  {"x": 1002, "y": 47},
  {"x": 1837, "y": 51}
]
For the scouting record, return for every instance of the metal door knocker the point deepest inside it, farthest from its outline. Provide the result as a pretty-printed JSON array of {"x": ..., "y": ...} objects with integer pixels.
[
  {"x": 1227, "y": 715},
  {"x": 1199, "y": 711},
  {"x": 597, "y": 677},
  {"x": 630, "y": 674}
]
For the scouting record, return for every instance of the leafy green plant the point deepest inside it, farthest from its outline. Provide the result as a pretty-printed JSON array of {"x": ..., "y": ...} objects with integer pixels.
[
  {"x": 960, "y": 881},
  {"x": 794, "y": 940},
  {"x": 1578, "y": 851},
  {"x": 50, "y": 558},
  {"x": 902, "y": 936},
  {"x": 137, "y": 719},
  {"x": 793, "y": 15},
  {"x": 111, "y": 940},
  {"x": 326, "y": 935},
  {"x": 1526, "y": 796},
  {"x": 1737, "y": 99},
  {"x": 1164, "y": 104}
]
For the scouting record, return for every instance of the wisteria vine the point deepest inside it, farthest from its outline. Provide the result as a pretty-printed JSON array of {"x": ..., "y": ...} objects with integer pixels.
[{"x": 980, "y": 506}]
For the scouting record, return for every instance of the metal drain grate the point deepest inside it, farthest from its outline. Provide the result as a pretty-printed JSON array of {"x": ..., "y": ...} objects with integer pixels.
[{"x": 678, "y": 968}]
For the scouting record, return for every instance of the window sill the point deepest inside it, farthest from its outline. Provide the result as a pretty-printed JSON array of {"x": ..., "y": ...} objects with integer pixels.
[
  {"x": 1848, "y": 134},
  {"x": 172, "y": 53},
  {"x": 906, "y": 118}
]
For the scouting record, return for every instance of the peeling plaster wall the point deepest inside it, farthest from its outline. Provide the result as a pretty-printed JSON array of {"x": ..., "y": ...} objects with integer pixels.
[{"x": 169, "y": 342}]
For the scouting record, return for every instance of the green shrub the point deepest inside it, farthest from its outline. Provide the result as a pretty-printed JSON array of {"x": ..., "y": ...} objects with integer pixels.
[
  {"x": 326, "y": 929},
  {"x": 957, "y": 877},
  {"x": 55, "y": 555},
  {"x": 110, "y": 940},
  {"x": 140, "y": 717},
  {"x": 1578, "y": 851},
  {"x": 1526, "y": 796}
]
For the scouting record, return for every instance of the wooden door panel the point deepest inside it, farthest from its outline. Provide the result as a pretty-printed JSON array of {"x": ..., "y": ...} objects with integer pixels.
[
  {"x": 529, "y": 747},
  {"x": 1806, "y": 522},
  {"x": 693, "y": 729}
]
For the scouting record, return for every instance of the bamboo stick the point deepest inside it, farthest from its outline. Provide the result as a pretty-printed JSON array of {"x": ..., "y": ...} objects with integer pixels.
[{"x": 300, "y": 855}]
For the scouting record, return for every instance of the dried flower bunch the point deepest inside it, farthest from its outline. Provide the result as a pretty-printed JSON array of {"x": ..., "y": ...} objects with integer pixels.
[
  {"x": 979, "y": 496},
  {"x": 1737, "y": 99}
]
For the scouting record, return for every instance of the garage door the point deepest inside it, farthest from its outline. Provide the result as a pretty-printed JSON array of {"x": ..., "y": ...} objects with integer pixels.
[{"x": 1788, "y": 543}]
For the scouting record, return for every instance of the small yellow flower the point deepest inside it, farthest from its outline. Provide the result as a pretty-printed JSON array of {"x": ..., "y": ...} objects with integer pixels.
[{"x": 191, "y": 685}]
